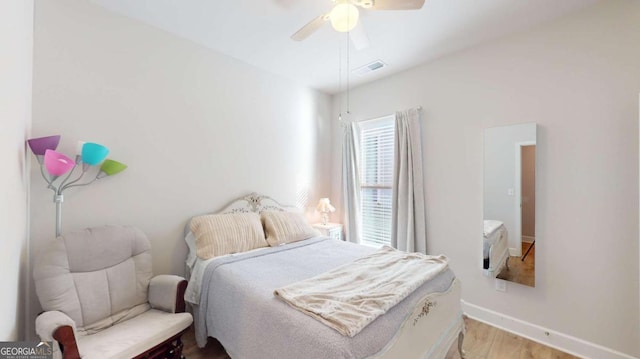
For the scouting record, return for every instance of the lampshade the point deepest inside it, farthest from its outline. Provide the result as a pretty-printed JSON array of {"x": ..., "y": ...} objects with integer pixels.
[
  {"x": 56, "y": 163},
  {"x": 93, "y": 153},
  {"x": 325, "y": 206},
  {"x": 79, "y": 146},
  {"x": 111, "y": 167},
  {"x": 344, "y": 17},
  {"x": 41, "y": 144}
]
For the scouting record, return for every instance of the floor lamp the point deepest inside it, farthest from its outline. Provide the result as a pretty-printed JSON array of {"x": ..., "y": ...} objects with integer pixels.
[{"x": 54, "y": 164}]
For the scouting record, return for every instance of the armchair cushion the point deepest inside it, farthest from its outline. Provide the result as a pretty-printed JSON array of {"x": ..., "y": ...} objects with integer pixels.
[
  {"x": 163, "y": 292},
  {"x": 96, "y": 276},
  {"x": 134, "y": 336}
]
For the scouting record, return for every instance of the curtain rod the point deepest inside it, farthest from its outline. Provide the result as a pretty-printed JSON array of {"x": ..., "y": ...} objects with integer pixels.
[{"x": 419, "y": 108}]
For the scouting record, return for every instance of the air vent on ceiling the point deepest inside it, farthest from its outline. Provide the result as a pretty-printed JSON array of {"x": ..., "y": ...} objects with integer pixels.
[{"x": 369, "y": 68}]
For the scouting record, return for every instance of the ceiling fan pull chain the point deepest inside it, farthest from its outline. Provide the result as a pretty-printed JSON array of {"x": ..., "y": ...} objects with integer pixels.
[
  {"x": 339, "y": 81},
  {"x": 347, "y": 43}
]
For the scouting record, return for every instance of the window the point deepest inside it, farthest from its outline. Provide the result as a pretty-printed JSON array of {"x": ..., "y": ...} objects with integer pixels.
[{"x": 376, "y": 172}]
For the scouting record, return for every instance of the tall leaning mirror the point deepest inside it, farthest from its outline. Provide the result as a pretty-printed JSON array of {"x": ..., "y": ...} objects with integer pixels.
[{"x": 509, "y": 235}]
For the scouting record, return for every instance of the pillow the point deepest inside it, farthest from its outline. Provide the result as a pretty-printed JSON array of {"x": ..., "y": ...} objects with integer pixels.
[
  {"x": 220, "y": 234},
  {"x": 286, "y": 227}
]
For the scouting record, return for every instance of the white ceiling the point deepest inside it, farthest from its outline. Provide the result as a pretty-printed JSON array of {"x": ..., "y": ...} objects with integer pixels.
[{"x": 258, "y": 32}]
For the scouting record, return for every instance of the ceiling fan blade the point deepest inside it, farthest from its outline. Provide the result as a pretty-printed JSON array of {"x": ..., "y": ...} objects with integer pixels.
[
  {"x": 395, "y": 4},
  {"x": 284, "y": 3},
  {"x": 310, "y": 28},
  {"x": 359, "y": 37}
]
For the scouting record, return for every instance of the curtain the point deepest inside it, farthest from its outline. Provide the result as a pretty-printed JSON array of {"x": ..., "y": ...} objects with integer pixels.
[
  {"x": 408, "y": 219},
  {"x": 351, "y": 182}
]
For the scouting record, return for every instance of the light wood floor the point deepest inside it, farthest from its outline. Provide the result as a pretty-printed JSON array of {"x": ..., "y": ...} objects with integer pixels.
[
  {"x": 523, "y": 272},
  {"x": 481, "y": 342}
]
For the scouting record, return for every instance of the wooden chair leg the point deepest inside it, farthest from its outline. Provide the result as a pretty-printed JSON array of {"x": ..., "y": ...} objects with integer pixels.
[
  {"x": 460, "y": 341},
  {"x": 176, "y": 350},
  {"x": 169, "y": 349}
]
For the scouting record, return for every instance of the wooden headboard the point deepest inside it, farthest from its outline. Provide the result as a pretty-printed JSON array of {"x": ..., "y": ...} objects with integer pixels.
[{"x": 253, "y": 202}]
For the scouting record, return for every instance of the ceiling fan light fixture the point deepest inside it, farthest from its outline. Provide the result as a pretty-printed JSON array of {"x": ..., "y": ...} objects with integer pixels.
[{"x": 344, "y": 17}]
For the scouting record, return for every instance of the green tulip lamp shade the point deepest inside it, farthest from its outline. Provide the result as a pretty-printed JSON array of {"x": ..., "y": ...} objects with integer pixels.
[
  {"x": 110, "y": 167},
  {"x": 56, "y": 164}
]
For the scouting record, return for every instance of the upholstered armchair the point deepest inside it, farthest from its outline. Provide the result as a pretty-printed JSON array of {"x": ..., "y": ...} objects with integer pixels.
[{"x": 101, "y": 301}]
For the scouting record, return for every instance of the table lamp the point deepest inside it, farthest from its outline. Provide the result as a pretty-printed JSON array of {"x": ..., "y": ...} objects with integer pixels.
[{"x": 325, "y": 207}]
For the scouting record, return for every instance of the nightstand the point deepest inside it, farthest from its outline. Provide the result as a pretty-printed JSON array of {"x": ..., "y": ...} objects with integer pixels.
[{"x": 333, "y": 230}]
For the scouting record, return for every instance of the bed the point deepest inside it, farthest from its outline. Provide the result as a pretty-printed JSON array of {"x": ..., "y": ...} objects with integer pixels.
[
  {"x": 495, "y": 248},
  {"x": 232, "y": 299}
]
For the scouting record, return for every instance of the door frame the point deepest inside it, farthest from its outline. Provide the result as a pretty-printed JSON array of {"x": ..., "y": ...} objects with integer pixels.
[{"x": 517, "y": 252}]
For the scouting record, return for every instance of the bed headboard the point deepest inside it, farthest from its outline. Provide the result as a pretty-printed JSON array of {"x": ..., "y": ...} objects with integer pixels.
[{"x": 253, "y": 202}]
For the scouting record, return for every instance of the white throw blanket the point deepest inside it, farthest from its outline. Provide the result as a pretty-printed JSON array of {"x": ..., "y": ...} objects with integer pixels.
[
  {"x": 350, "y": 297},
  {"x": 491, "y": 226}
]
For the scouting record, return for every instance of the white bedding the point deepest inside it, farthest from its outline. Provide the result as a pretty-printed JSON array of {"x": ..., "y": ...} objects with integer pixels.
[
  {"x": 350, "y": 297},
  {"x": 191, "y": 255},
  {"x": 238, "y": 307},
  {"x": 196, "y": 267},
  {"x": 495, "y": 249},
  {"x": 492, "y": 232},
  {"x": 490, "y": 226}
]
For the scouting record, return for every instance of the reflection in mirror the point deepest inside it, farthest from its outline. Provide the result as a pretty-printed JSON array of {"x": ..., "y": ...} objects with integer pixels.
[{"x": 509, "y": 203}]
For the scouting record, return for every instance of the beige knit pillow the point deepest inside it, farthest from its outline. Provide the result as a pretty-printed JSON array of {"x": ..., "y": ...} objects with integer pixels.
[
  {"x": 221, "y": 234},
  {"x": 286, "y": 227}
]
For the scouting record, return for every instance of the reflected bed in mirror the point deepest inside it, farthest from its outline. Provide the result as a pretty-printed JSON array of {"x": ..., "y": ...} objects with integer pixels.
[{"x": 509, "y": 234}]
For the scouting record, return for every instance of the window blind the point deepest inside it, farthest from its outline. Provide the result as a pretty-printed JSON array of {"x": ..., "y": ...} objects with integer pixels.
[{"x": 376, "y": 172}]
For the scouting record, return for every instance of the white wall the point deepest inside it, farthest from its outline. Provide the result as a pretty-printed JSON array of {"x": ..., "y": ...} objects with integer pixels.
[
  {"x": 16, "y": 42},
  {"x": 578, "y": 78},
  {"x": 196, "y": 128},
  {"x": 500, "y": 176}
]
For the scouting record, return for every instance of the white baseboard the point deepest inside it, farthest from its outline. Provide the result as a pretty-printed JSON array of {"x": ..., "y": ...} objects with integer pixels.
[
  {"x": 548, "y": 337},
  {"x": 515, "y": 252},
  {"x": 527, "y": 239}
]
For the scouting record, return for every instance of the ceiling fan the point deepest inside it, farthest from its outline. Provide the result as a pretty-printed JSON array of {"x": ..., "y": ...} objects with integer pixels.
[{"x": 344, "y": 18}]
